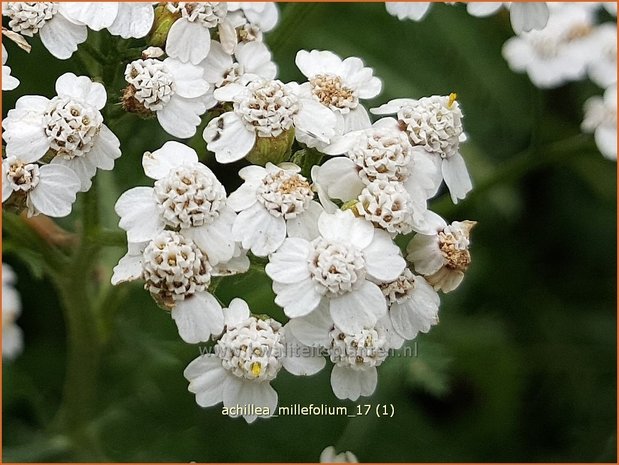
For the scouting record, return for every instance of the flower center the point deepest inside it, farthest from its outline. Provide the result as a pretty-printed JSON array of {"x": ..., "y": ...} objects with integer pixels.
[
  {"x": 153, "y": 84},
  {"x": 189, "y": 197},
  {"x": 454, "y": 245},
  {"x": 335, "y": 266},
  {"x": 71, "y": 127},
  {"x": 331, "y": 92},
  {"x": 269, "y": 110},
  {"x": 401, "y": 289},
  {"x": 209, "y": 14},
  {"x": 252, "y": 349},
  {"x": 174, "y": 268},
  {"x": 384, "y": 155},
  {"x": 433, "y": 123},
  {"x": 366, "y": 349},
  {"x": 388, "y": 206},
  {"x": 285, "y": 194},
  {"x": 21, "y": 176},
  {"x": 27, "y": 18}
]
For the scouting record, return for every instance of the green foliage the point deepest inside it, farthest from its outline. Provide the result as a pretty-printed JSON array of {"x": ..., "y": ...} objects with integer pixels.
[{"x": 522, "y": 366}]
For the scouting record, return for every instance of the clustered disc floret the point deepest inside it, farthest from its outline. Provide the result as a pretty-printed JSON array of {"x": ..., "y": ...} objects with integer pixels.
[
  {"x": 454, "y": 243},
  {"x": 367, "y": 348},
  {"x": 174, "y": 268},
  {"x": 434, "y": 123},
  {"x": 152, "y": 83},
  {"x": 270, "y": 108},
  {"x": 285, "y": 194},
  {"x": 189, "y": 197},
  {"x": 209, "y": 14},
  {"x": 401, "y": 289},
  {"x": 333, "y": 93},
  {"x": 252, "y": 349},
  {"x": 71, "y": 127},
  {"x": 27, "y": 18},
  {"x": 23, "y": 176},
  {"x": 385, "y": 155},
  {"x": 387, "y": 205},
  {"x": 336, "y": 266}
]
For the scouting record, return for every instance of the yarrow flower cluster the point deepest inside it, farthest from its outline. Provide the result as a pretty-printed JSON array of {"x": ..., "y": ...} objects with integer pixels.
[{"x": 326, "y": 189}]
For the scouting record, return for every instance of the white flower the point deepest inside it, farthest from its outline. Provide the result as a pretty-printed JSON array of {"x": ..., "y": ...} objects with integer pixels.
[
  {"x": 524, "y": 17},
  {"x": 329, "y": 455},
  {"x": 48, "y": 189},
  {"x": 253, "y": 62},
  {"x": 189, "y": 38},
  {"x": 355, "y": 354},
  {"x": 273, "y": 203},
  {"x": 338, "y": 85},
  {"x": 186, "y": 197},
  {"x": 413, "y": 304},
  {"x": 123, "y": 19},
  {"x": 557, "y": 54},
  {"x": 263, "y": 109},
  {"x": 70, "y": 126},
  {"x": 8, "y": 82},
  {"x": 263, "y": 15},
  {"x": 12, "y": 338},
  {"x": 59, "y": 34},
  {"x": 177, "y": 275},
  {"x": 175, "y": 91},
  {"x": 248, "y": 356},
  {"x": 338, "y": 266},
  {"x": 389, "y": 206},
  {"x": 380, "y": 153},
  {"x": 442, "y": 257},
  {"x": 601, "y": 119},
  {"x": 435, "y": 124},
  {"x": 408, "y": 10},
  {"x": 603, "y": 65}
]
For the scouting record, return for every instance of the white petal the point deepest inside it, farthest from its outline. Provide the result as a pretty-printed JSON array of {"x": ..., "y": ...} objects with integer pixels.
[
  {"x": 345, "y": 383},
  {"x": 61, "y": 37},
  {"x": 215, "y": 239},
  {"x": 206, "y": 378},
  {"x": 305, "y": 225},
  {"x": 315, "y": 119},
  {"x": 482, "y": 9},
  {"x": 198, "y": 317},
  {"x": 242, "y": 393},
  {"x": 418, "y": 313},
  {"x": 343, "y": 227},
  {"x": 528, "y": 16},
  {"x": 425, "y": 254},
  {"x": 358, "y": 309},
  {"x": 606, "y": 140},
  {"x": 301, "y": 360},
  {"x": 83, "y": 167},
  {"x": 244, "y": 197},
  {"x": 105, "y": 150},
  {"x": 96, "y": 15},
  {"x": 382, "y": 258},
  {"x": 216, "y": 64},
  {"x": 356, "y": 120},
  {"x": 82, "y": 89},
  {"x": 393, "y": 106},
  {"x": 133, "y": 20},
  {"x": 55, "y": 194},
  {"x": 317, "y": 62},
  {"x": 181, "y": 117},
  {"x": 297, "y": 299},
  {"x": 188, "y": 41},
  {"x": 188, "y": 79},
  {"x": 228, "y": 138},
  {"x": 456, "y": 177},
  {"x": 367, "y": 381},
  {"x": 24, "y": 135},
  {"x": 236, "y": 313},
  {"x": 313, "y": 329},
  {"x": 129, "y": 268},
  {"x": 289, "y": 263},
  {"x": 139, "y": 214},
  {"x": 171, "y": 155},
  {"x": 259, "y": 231},
  {"x": 255, "y": 58},
  {"x": 339, "y": 178}
]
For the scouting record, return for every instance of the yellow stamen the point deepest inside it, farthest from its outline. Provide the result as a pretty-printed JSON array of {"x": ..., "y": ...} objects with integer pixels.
[
  {"x": 255, "y": 368},
  {"x": 452, "y": 98}
]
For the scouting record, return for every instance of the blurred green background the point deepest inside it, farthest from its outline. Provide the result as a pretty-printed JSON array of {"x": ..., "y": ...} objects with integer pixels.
[{"x": 523, "y": 364}]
